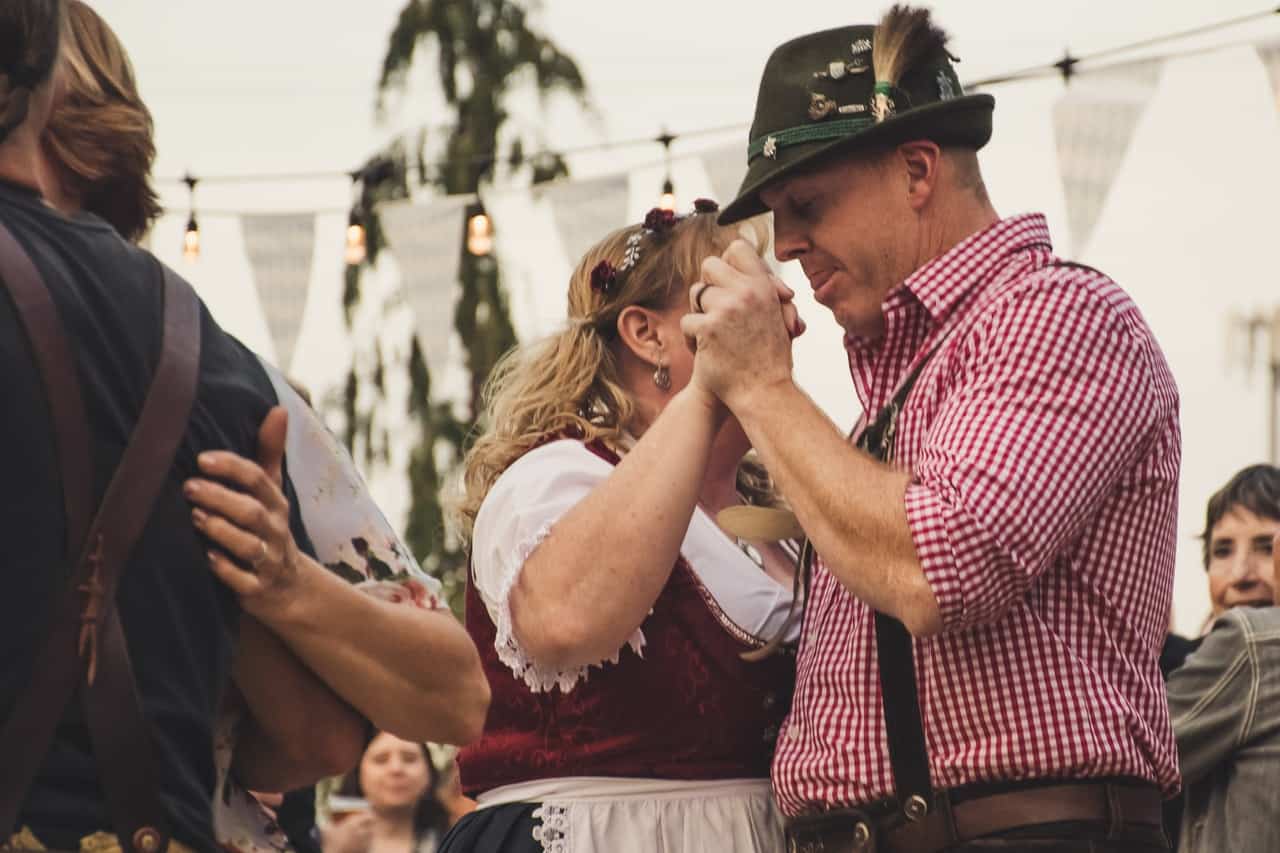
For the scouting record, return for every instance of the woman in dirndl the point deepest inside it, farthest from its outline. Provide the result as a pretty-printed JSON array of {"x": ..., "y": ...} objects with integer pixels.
[{"x": 623, "y": 631}]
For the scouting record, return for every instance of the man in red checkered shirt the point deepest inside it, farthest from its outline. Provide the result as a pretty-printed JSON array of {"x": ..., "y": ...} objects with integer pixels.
[{"x": 978, "y": 661}]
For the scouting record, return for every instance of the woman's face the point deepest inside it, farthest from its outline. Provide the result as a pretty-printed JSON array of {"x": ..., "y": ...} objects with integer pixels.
[
  {"x": 394, "y": 773},
  {"x": 1241, "y": 571}
]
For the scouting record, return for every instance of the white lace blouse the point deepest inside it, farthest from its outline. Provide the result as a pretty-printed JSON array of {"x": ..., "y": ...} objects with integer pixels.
[{"x": 535, "y": 492}]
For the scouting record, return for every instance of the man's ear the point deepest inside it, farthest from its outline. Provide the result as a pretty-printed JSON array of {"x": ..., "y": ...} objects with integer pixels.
[
  {"x": 922, "y": 160},
  {"x": 638, "y": 329}
]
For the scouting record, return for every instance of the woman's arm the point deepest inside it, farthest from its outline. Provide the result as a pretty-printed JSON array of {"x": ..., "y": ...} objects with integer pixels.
[
  {"x": 296, "y": 729},
  {"x": 411, "y": 672},
  {"x": 587, "y": 587}
]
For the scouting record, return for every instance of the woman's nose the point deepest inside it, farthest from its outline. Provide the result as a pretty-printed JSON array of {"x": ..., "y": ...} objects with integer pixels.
[{"x": 1246, "y": 574}]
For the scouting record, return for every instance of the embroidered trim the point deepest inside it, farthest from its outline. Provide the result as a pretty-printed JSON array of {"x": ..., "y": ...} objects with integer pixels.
[
  {"x": 733, "y": 629},
  {"x": 553, "y": 833},
  {"x": 537, "y": 678}
]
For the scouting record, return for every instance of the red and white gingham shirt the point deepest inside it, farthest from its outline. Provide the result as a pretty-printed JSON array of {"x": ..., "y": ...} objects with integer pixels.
[{"x": 1043, "y": 437}]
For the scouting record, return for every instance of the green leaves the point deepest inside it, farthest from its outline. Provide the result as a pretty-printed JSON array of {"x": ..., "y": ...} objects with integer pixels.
[{"x": 483, "y": 50}]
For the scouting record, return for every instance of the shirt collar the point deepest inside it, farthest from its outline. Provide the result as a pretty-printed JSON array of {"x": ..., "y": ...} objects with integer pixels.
[{"x": 943, "y": 282}]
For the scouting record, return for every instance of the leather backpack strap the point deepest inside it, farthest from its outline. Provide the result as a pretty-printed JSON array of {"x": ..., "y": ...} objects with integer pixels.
[
  {"x": 122, "y": 743},
  {"x": 29, "y": 729}
]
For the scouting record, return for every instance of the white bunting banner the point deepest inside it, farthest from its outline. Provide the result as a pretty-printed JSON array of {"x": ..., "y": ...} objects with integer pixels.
[
  {"x": 425, "y": 238},
  {"x": 585, "y": 211},
  {"x": 1269, "y": 53},
  {"x": 1094, "y": 122},
  {"x": 726, "y": 167},
  {"x": 280, "y": 248}
]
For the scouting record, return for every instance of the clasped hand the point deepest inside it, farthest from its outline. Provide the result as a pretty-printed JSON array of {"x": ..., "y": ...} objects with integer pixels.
[{"x": 741, "y": 325}]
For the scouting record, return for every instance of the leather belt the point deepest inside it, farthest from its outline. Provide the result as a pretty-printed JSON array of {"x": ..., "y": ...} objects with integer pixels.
[{"x": 882, "y": 828}]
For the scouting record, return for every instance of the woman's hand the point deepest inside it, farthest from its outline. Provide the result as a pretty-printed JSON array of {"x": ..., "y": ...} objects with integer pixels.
[
  {"x": 352, "y": 834},
  {"x": 247, "y": 519}
]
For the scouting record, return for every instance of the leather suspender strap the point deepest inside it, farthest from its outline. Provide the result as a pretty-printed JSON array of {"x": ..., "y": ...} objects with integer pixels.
[
  {"x": 27, "y": 733},
  {"x": 121, "y": 738},
  {"x": 904, "y": 723},
  {"x": 121, "y": 741},
  {"x": 39, "y": 317}
]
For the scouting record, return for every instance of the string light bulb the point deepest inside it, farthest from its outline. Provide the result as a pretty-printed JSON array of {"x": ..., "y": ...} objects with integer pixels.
[
  {"x": 191, "y": 237},
  {"x": 357, "y": 245},
  {"x": 479, "y": 231},
  {"x": 191, "y": 241},
  {"x": 668, "y": 199}
]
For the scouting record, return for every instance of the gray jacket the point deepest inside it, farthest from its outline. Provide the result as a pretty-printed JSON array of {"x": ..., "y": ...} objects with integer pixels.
[{"x": 1225, "y": 705}]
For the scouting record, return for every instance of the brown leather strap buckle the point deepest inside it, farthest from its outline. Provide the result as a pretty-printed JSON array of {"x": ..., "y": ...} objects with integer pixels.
[{"x": 839, "y": 831}]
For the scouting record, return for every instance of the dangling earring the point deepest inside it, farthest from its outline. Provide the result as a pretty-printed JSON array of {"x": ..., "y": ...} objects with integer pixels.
[{"x": 662, "y": 376}]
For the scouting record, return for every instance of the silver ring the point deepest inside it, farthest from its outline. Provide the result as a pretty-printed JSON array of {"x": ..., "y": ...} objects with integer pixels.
[{"x": 261, "y": 558}]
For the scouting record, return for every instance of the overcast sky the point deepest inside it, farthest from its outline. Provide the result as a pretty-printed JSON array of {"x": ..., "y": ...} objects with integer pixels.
[
  {"x": 276, "y": 86},
  {"x": 281, "y": 85}
]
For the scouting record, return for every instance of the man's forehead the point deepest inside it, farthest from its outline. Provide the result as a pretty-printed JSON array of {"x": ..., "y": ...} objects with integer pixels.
[{"x": 816, "y": 178}]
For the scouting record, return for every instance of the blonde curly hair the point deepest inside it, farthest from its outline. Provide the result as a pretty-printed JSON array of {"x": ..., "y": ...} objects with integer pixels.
[{"x": 568, "y": 384}]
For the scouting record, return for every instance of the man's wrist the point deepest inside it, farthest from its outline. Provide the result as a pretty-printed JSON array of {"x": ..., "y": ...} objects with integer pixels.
[{"x": 757, "y": 399}]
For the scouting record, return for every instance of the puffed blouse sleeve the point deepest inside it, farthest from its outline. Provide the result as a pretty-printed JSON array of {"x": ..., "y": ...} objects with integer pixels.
[
  {"x": 351, "y": 536},
  {"x": 518, "y": 513}
]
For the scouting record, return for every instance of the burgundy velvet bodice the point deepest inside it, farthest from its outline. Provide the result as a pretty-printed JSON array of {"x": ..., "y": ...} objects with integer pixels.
[{"x": 687, "y": 707}]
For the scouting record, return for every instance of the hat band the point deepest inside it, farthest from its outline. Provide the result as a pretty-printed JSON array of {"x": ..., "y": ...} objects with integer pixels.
[{"x": 771, "y": 143}]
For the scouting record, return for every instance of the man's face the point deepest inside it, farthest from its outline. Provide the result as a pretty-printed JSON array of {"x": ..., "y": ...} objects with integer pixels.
[
  {"x": 1241, "y": 571},
  {"x": 850, "y": 226}
]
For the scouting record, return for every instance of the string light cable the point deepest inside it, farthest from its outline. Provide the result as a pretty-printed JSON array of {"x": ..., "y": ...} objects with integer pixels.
[{"x": 479, "y": 224}]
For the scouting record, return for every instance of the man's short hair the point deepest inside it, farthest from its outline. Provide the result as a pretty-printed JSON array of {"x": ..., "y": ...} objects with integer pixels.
[{"x": 1256, "y": 488}]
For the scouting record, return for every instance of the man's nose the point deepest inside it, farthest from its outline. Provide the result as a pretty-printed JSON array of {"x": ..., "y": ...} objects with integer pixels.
[{"x": 788, "y": 242}]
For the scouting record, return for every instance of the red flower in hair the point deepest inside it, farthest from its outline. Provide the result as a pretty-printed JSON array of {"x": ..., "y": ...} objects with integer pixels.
[
  {"x": 603, "y": 276},
  {"x": 705, "y": 205},
  {"x": 658, "y": 219}
]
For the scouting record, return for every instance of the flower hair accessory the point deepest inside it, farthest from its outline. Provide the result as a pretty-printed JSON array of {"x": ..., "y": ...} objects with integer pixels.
[
  {"x": 657, "y": 221},
  {"x": 660, "y": 220},
  {"x": 603, "y": 277}
]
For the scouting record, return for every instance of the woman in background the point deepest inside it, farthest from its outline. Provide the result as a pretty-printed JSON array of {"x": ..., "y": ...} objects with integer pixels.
[{"x": 400, "y": 785}]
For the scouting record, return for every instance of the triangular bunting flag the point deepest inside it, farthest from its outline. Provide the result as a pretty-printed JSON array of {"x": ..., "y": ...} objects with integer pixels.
[
  {"x": 1269, "y": 53},
  {"x": 585, "y": 211},
  {"x": 280, "y": 248},
  {"x": 726, "y": 167},
  {"x": 426, "y": 241},
  {"x": 1094, "y": 123}
]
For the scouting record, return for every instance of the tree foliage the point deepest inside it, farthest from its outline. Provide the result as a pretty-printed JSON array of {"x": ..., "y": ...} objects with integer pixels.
[{"x": 484, "y": 51}]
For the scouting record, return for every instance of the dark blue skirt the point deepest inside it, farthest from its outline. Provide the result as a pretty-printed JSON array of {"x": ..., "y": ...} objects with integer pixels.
[{"x": 499, "y": 829}]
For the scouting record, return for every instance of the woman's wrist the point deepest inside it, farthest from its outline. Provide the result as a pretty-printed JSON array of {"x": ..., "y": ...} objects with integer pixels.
[
  {"x": 706, "y": 404},
  {"x": 295, "y": 606}
]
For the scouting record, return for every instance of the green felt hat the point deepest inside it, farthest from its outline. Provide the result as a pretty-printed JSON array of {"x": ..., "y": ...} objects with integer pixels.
[{"x": 819, "y": 97}]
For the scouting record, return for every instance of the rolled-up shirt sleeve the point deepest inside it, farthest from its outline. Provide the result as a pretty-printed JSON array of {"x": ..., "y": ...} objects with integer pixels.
[{"x": 1052, "y": 394}]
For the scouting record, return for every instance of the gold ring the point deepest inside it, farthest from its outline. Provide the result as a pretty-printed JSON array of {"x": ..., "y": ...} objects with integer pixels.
[{"x": 697, "y": 298}]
